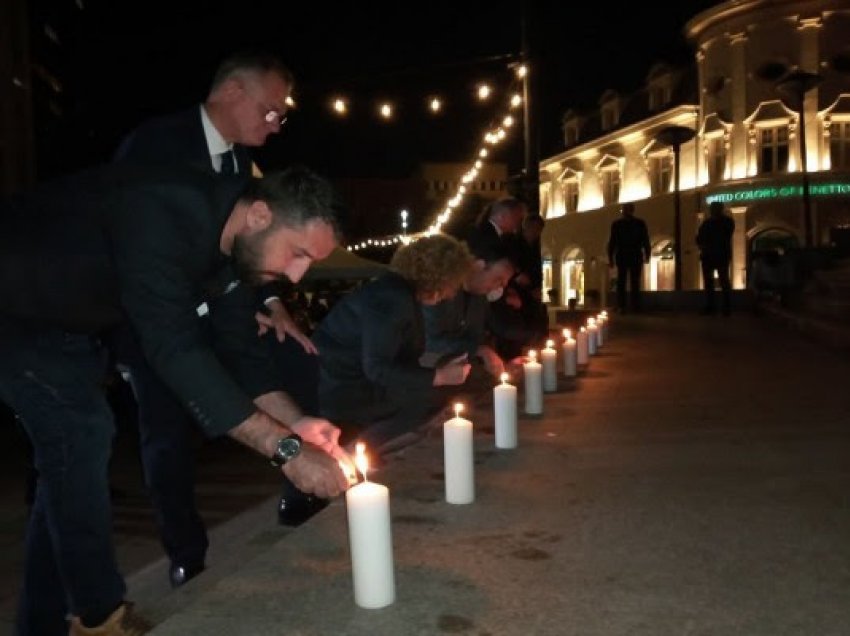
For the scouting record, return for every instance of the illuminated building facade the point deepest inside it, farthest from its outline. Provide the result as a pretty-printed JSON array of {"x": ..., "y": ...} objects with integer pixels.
[{"x": 745, "y": 150}]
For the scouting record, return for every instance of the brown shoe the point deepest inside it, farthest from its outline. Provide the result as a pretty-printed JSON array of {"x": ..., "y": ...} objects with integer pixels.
[{"x": 122, "y": 622}]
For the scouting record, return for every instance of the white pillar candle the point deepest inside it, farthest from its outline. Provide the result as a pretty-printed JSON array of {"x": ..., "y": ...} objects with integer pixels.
[
  {"x": 600, "y": 331},
  {"x": 504, "y": 403},
  {"x": 549, "y": 358},
  {"x": 568, "y": 350},
  {"x": 592, "y": 342},
  {"x": 581, "y": 346},
  {"x": 370, "y": 538},
  {"x": 605, "y": 320},
  {"x": 533, "y": 385},
  {"x": 458, "y": 457}
]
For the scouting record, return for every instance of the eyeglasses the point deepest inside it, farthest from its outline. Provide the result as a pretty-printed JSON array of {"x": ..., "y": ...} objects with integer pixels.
[{"x": 273, "y": 116}]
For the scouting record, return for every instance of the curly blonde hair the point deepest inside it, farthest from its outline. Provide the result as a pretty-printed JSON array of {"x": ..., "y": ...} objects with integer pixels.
[{"x": 433, "y": 263}]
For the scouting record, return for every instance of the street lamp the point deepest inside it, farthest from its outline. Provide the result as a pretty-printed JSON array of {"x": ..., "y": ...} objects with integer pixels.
[
  {"x": 795, "y": 84},
  {"x": 675, "y": 136},
  {"x": 404, "y": 214}
]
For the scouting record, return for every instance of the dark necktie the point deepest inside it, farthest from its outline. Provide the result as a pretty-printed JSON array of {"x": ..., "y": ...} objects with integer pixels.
[{"x": 228, "y": 163}]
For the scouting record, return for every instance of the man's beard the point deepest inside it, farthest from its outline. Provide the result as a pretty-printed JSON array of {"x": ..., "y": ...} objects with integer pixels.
[{"x": 247, "y": 258}]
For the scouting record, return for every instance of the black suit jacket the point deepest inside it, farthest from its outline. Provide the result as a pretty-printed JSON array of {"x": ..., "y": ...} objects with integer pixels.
[
  {"x": 175, "y": 140},
  {"x": 88, "y": 251},
  {"x": 484, "y": 240},
  {"x": 178, "y": 139},
  {"x": 628, "y": 243},
  {"x": 369, "y": 348}
]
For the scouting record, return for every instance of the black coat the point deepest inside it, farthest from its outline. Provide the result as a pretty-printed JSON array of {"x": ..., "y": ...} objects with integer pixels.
[
  {"x": 369, "y": 349},
  {"x": 714, "y": 238},
  {"x": 628, "y": 243},
  {"x": 89, "y": 251},
  {"x": 175, "y": 140}
]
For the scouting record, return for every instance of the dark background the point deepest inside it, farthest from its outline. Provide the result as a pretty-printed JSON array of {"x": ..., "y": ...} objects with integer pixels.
[{"x": 120, "y": 61}]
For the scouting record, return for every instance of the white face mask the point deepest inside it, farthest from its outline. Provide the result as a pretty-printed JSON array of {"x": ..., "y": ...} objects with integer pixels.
[{"x": 495, "y": 294}]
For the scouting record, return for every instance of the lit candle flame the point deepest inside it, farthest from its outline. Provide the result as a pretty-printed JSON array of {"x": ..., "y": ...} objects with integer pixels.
[
  {"x": 532, "y": 354},
  {"x": 566, "y": 333},
  {"x": 505, "y": 377},
  {"x": 458, "y": 409},
  {"x": 550, "y": 344},
  {"x": 346, "y": 465},
  {"x": 591, "y": 322},
  {"x": 360, "y": 459},
  {"x": 582, "y": 329}
]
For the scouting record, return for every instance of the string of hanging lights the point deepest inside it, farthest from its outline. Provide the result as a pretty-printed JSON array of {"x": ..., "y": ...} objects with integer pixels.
[{"x": 496, "y": 132}]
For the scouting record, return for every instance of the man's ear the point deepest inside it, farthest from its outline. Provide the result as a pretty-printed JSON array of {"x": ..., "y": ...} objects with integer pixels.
[
  {"x": 258, "y": 217},
  {"x": 231, "y": 88}
]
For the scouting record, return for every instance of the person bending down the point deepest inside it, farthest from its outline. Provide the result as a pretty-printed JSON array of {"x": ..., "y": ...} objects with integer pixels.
[{"x": 370, "y": 343}]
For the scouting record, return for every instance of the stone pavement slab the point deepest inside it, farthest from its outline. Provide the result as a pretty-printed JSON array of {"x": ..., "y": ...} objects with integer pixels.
[{"x": 694, "y": 481}]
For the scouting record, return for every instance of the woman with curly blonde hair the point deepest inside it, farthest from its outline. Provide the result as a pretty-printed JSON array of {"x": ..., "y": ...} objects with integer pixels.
[{"x": 371, "y": 383}]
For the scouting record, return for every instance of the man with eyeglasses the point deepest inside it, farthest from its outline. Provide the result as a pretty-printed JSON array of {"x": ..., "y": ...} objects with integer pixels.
[{"x": 246, "y": 103}]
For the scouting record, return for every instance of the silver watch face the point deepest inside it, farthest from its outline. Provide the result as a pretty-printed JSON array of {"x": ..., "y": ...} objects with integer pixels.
[{"x": 288, "y": 448}]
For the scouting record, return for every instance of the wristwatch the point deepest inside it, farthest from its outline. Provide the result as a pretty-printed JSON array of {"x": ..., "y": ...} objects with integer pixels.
[{"x": 288, "y": 449}]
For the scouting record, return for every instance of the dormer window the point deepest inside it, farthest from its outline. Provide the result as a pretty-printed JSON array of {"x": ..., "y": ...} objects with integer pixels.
[
  {"x": 570, "y": 124},
  {"x": 571, "y": 134},
  {"x": 659, "y": 87},
  {"x": 659, "y": 96},
  {"x": 610, "y": 106}
]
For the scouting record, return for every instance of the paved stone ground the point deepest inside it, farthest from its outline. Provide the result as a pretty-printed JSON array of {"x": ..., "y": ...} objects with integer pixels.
[{"x": 694, "y": 481}]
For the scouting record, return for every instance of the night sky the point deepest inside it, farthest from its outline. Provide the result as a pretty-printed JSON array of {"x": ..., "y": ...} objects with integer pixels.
[{"x": 123, "y": 61}]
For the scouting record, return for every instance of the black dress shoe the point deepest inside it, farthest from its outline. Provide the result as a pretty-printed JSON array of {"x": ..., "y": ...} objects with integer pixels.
[
  {"x": 295, "y": 506},
  {"x": 182, "y": 574}
]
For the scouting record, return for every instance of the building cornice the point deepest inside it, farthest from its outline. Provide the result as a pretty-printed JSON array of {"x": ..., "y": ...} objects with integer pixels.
[{"x": 673, "y": 116}]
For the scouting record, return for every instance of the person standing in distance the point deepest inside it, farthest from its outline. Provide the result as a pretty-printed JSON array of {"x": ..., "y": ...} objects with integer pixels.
[
  {"x": 628, "y": 249},
  {"x": 714, "y": 239}
]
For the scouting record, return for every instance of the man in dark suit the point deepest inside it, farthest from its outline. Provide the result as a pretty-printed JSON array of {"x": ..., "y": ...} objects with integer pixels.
[
  {"x": 163, "y": 249},
  {"x": 246, "y": 103},
  {"x": 463, "y": 324},
  {"x": 714, "y": 238},
  {"x": 501, "y": 219},
  {"x": 629, "y": 249}
]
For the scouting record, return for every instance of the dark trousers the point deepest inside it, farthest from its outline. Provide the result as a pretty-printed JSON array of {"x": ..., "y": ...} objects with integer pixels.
[
  {"x": 166, "y": 434},
  {"x": 53, "y": 381},
  {"x": 629, "y": 271},
  {"x": 721, "y": 266}
]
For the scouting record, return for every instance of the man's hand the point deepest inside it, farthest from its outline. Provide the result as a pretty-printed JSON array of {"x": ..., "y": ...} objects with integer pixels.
[
  {"x": 319, "y": 432},
  {"x": 316, "y": 472},
  {"x": 282, "y": 323},
  {"x": 492, "y": 362},
  {"x": 453, "y": 373}
]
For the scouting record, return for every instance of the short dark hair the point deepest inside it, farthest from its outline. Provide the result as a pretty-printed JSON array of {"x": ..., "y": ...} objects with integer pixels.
[
  {"x": 251, "y": 61},
  {"x": 715, "y": 206},
  {"x": 296, "y": 196},
  {"x": 494, "y": 253}
]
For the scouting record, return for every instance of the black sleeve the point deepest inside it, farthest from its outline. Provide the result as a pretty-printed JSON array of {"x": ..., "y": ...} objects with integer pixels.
[
  {"x": 386, "y": 327},
  {"x": 161, "y": 259},
  {"x": 237, "y": 344}
]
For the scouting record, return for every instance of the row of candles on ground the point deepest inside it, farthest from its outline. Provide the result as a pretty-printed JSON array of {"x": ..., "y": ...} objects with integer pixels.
[{"x": 368, "y": 503}]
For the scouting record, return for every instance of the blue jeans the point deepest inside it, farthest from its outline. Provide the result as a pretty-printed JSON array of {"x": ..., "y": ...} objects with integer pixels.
[{"x": 53, "y": 381}]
